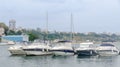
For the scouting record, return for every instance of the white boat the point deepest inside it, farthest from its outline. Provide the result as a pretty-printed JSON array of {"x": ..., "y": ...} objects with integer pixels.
[
  {"x": 17, "y": 49},
  {"x": 86, "y": 49},
  {"x": 37, "y": 49},
  {"x": 63, "y": 48},
  {"x": 7, "y": 43},
  {"x": 10, "y": 43},
  {"x": 107, "y": 49}
]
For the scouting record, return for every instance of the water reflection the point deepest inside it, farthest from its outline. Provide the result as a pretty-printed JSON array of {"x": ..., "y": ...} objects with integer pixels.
[
  {"x": 65, "y": 61},
  {"x": 108, "y": 61},
  {"x": 99, "y": 61}
]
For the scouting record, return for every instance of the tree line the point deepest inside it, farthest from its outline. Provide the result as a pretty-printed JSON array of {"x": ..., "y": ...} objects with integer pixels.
[{"x": 42, "y": 35}]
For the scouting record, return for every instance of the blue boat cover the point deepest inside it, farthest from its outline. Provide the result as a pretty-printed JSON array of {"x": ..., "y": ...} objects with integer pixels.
[{"x": 106, "y": 45}]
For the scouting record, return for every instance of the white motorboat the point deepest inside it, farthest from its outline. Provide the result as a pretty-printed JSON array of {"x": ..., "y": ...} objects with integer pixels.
[
  {"x": 37, "y": 49},
  {"x": 63, "y": 48},
  {"x": 17, "y": 49},
  {"x": 107, "y": 49},
  {"x": 86, "y": 49},
  {"x": 10, "y": 43},
  {"x": 7, "y": 43}
]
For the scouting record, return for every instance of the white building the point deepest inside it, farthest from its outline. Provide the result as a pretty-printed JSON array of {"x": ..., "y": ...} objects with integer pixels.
[
  {"x": 12, "y": 25},
  {"x": 19, "y": 29}
]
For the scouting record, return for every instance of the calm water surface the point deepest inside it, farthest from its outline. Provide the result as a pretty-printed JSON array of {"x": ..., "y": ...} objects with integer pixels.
[{"x": 6, "y": 60}]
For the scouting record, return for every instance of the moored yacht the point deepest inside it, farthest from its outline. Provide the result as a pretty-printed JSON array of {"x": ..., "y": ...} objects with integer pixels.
[
  {"x": 86, "y": 49},
  {"x": 17, "y": 49},
  {"x": 37, "y": 49},
  {"x": 107, "y": 49},
  {"x": 63, "y": 48}
]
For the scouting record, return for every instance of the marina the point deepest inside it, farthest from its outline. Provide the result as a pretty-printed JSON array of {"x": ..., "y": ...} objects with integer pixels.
[
  {"x": 8, "y": 60},
  {"x": 59, "y": 33},
  {"x": 64, "y": 48}
]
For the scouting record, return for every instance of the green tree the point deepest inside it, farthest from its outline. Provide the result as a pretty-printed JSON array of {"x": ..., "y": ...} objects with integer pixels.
[
  {"x": 11, "y": 32},
  {"x": 32, "y": 37},
  {"x": 2, "y": 24},
  {"x": 18, "y": 32}
]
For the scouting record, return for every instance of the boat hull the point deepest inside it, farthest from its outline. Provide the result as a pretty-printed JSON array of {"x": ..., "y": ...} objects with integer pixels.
[
  {"x": 86, "y": 53},
  {"x": 36, "y": 53},
  {"x": 63, "y": 52},
  {"x": 108, "y": 53},
  {"x": 17, "y": 52}
]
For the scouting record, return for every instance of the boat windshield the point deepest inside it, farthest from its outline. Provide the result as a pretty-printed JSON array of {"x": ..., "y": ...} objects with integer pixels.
[
  {"x": 105, "y": 51},
  {"x": 62, "y": 44},
  {"x": 86, "y": 44},
  {"x": 65, "y": 41}
]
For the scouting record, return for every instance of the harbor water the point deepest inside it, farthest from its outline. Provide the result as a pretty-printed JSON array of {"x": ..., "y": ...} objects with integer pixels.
[{"x": 6, "y": 60}]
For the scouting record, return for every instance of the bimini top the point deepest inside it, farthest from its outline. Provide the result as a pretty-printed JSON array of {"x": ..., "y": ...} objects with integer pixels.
[
  {"x": 106, "y": 45},
  {"x": 63, "y": 41}
]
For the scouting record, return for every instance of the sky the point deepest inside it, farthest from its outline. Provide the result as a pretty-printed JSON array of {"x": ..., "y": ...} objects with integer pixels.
[{"x": 88, "y": 15}]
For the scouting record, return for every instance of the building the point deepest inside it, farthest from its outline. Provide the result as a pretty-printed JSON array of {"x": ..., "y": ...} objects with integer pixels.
[
  {"x": 2, "y": 30},
  {"x": 15, "y": 38},
  {"x": 19, "y": 29},
  {"x": 12, "y": 25}
]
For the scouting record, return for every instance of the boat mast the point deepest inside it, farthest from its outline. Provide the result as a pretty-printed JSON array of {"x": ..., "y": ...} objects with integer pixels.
[
  {"x": 47, "y": 26},
  {"x": 71, "y": 25},
  {"x": 46, "y": 30}
]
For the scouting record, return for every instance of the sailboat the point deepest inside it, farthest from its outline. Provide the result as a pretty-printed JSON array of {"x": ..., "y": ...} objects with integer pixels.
[
  {"x": 39, "y": 48},
  {"x": 63, "y": 47}
]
